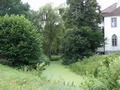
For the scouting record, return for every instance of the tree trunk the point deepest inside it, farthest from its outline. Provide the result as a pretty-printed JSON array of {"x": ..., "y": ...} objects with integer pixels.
[{"x": 50, "y": 47}]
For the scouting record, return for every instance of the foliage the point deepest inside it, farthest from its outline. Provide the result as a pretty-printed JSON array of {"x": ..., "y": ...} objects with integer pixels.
[
  {"x": 92, "y": 83},
  {"x": 111, "y": 73},
  {"x": 45, "y": 59},
  {"x": 82, "y": 18},
  {"x": 19, "y": 40},
  {"x": 78, "y": 43},
  {"x": 82, "y": 13},
  {"x": 49, "y": 22},
  {"x": 89, "y": 65},
  {"x": 102, "y": 71},
  {"x": 14, "y": 7},
  {"x": 108, "y": 77}
]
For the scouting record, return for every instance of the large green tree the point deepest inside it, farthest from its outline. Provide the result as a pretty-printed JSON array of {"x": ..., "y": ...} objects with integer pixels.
[
  {"x": 82, "y": 18},
  {"x": 83, "y": 13},
  {"x": 50, "y": 23},
  {"x": 13, "y": 7}
]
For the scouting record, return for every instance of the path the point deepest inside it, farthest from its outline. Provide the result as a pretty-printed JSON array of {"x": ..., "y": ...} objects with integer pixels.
[{"x": 57, "y": 72}]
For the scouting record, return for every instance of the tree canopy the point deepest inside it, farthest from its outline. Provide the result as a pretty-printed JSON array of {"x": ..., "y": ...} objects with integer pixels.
[
  {"x": 13, "y": 7},
  {"x": 83, "y": 36},
  {"x": 83, "y": 13},
  {"x": 50, "y": 23}
]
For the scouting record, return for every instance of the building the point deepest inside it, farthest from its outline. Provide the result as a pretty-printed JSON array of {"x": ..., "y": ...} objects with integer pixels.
[{"x": 111, "y": 25}]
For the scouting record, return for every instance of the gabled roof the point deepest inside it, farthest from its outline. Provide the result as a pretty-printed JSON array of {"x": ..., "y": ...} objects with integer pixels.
[
  {"x": 109, "y": 9},
  {"x": 115, "y": 12}
]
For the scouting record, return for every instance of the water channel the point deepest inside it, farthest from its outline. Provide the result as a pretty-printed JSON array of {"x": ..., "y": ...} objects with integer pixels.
[{"x": 58, "y": 72}]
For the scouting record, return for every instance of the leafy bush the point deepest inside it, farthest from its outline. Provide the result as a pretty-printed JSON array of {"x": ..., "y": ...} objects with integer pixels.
[
  {"x": 78, "y": 43},
  {"x": 111, "y": 73},
  {"x": 92, "y": 83},
  {"x": 19, "y": 40},
  {"x": 108, "y": 78}
]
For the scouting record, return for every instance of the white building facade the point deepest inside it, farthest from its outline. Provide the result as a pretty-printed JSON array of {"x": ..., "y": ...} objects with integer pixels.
[{"x": 111, "y": 25}]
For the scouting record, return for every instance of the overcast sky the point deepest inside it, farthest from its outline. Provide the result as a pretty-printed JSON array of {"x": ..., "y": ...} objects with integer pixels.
[{"x": 35, "y": 4}]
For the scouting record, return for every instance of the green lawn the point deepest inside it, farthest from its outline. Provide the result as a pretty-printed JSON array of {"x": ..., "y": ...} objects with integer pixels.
[{"x": 11, "y": 79}]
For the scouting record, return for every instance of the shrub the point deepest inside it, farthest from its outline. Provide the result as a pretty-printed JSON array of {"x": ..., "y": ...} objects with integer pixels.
[
  {"x": 19, "y": 40},
  {"x": 111, "y": 73},
  {"x": 108, "y": 78},
  {"x": 102, "y": 71}
]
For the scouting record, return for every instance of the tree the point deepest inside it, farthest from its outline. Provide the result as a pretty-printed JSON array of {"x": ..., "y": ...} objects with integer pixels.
[
  {"x": 82, "y": 18},
  {"x": 49, "y": 22},
  {"x": 83, "y": 13},
  {"x": 78, "y": 43},
  {"x": 13, "y": 7},
  {"x": 19, "y": 40}
]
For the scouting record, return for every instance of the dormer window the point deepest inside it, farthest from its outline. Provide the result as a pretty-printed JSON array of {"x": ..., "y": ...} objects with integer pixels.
[{"x": 114, "y": 22}]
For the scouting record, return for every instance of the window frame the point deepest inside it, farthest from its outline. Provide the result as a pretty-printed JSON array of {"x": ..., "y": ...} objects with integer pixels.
[
  {"x": 114, "y": 22},
  {"x": 114, "y": 40}
]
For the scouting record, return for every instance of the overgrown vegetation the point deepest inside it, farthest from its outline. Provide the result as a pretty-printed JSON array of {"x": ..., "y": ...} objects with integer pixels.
[
  {"x": 15, "y": 7},
  {"x": 102, "y": 71}
]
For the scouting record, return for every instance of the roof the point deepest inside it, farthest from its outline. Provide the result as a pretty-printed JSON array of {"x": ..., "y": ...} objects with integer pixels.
[
  {"x": 109, "y": 9},
  {"x": 115, "y": 12}
]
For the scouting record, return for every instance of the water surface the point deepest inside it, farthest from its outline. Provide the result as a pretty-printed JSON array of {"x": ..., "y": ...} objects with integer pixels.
[{"x": 57, "y": 72}]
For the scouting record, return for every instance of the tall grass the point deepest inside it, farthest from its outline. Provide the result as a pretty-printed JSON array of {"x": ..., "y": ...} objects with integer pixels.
[
  {"x": 11, "y": 79},
  {"x": 89, "y": 65}
]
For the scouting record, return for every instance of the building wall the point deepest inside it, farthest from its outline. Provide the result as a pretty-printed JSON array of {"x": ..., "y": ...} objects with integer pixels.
[{"x": 108, "y": 32}]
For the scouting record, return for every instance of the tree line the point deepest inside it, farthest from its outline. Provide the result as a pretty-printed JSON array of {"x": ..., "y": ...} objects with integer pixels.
[{"x": 70, "y": 29}]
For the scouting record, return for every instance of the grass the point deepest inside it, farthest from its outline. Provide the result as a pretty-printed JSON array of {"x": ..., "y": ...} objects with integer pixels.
[
  {"x": 89, "y": 65},
  {"x": 12, "y": 79}
]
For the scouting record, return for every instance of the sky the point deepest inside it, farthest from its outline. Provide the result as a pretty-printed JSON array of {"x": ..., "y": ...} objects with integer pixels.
[{"x": 35, "y": 4}]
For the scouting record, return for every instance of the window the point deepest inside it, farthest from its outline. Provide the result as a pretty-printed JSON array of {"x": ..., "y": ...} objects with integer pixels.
[
  {"x": 114, "y": 40},
  {"x": 114, "y": 22}
]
